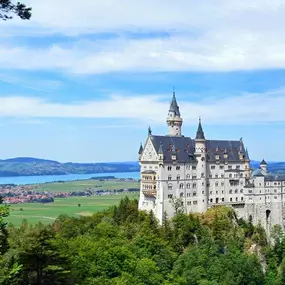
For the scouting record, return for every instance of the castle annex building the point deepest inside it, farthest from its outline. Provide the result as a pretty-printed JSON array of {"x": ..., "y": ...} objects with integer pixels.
[{"x": 181, "y": 173}]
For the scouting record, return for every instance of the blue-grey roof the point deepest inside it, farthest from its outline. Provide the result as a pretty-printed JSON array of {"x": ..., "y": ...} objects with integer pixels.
[
  {"x": 263, "y": 162},
  {"x": 258, "y": 172},
  {"x": 200, "y": 133},
  {"x": 275, "y": 177},
  {"x": 219, "y": 147},
  {"x": 246, "y": 154},
  {"x": 141, "y": 149},
  {"x": 185, "y": 148},
  {"x": 174, "y": 106},
  {"x": 160, "y": 150}
]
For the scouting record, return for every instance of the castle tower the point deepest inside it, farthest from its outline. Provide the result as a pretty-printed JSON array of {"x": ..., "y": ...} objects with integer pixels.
[
  {"x": 263, "y": 165},
  {"x": 174, "y": 120},
  {"x": 200, "y": 153}
]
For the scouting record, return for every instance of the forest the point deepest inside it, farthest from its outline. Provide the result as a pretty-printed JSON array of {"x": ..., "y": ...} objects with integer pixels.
[{"x": 124, "y": 246}]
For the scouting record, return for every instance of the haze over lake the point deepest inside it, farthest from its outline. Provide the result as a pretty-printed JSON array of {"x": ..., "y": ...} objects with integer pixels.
[{"x": 24, "y": 180}]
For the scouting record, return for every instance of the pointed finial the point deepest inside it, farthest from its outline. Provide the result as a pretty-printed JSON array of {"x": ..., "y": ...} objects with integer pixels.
[
  {"x": 173, "y": 90},
  {"x": 141, "y": 149},
  {"x": 149, "y": 130},
  {"x": 200, "y": 133},
  {"x": 160, "y": 150}
]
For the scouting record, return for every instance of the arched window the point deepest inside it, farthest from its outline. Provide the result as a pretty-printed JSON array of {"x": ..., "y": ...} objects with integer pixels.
[
  {"x": 170, "y": 186},
  {"x": 188, "y": 185},
  {"x": 169, "y": 177},
  {"x": 177, "y": 167},
  {"x": 194, "y": 193},
  {"x": 217, "y": 184},
  {"x": 194, "y": 185},
  {"x": 181, "y": 194},
  {"x": 169, "y": 168},
  {"x": 188, "y": 176},
  {"x": 181, "y": 186},
  {"x": 236, "y": 191},
  {"x": 236, "y": 198},
  {"x": 178, "y": 177},
  {"x": 230, "y": 176},
  {"x": 231, "y": 199}
]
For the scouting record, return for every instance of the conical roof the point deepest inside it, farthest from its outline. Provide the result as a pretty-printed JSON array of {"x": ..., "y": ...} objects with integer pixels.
[
  {"x": 160, "y": 150},
  {"x": 263, "y": 162},
  {"x": 174, "y": 106},
  {"x": 246, "y": 154},
  {"x": 141, "y": 149},
  {"x": 200, "y": 133}
]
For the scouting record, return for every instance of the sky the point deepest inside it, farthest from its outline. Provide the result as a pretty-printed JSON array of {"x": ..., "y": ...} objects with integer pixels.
[{"x": 82, "y": 80}]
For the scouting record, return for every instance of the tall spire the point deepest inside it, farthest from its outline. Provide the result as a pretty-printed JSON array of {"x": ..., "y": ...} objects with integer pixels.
[
  {"x": 174, "y": 106},
  {"x": 160, "y": 150},
  {"x": 174, "y": 120},
  {"x": 200, "y": 134},
  {"x": 141, "y": 149},
  {"x": 246, "y": 154}
]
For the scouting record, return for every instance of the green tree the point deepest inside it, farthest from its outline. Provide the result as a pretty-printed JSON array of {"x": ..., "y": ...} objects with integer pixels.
[
  {"x": 7, "y": 7},
  {"x": 33, "y": 248}
]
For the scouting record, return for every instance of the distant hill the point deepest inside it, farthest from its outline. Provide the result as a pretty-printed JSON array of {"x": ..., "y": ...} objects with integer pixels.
[{"x": 28, "y": 166}]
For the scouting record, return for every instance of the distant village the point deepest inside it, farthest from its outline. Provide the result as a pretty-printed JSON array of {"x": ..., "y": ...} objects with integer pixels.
[{"x": 17, "y": 194}]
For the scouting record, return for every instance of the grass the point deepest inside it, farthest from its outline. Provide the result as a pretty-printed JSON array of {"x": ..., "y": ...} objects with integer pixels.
[
  {"x": 82, "y": 185},
  {"x": 47, "y": 213}
]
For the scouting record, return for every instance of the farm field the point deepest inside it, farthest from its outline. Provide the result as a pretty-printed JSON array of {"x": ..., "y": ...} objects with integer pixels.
[
  {"x": 47, "y": 213},
  {"x": 82, "y": 185}
]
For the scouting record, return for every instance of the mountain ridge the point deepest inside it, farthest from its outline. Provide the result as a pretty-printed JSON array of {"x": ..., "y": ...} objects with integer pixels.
[{"x": 30, "y": 166}]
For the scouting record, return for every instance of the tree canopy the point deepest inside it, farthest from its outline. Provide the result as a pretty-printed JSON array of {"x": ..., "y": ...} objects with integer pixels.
[
  {"x": 123, "y": 246},
  {"x": 8, "y": 9}
]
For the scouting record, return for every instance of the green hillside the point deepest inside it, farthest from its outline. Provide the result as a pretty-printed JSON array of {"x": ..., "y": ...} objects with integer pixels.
[{"x": 25, "y": 166}]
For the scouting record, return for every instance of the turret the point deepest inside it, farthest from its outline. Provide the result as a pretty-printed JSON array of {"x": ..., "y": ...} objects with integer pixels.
[
  {"x": 200, "y": 154},
  {"x": 160, "y": 152},
  {"x": 263, "y": 165},
  {"x": 140, "y": 151},
  {"x": 174, "y": 120}
]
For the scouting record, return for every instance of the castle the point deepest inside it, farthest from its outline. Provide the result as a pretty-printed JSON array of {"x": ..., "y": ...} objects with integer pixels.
[{"x": 191, "y": 175}]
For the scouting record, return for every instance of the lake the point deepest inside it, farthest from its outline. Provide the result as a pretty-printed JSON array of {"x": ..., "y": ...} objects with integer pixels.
[{"x": 24, "y": 180}]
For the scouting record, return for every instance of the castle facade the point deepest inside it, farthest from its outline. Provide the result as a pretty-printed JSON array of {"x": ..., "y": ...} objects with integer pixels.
[{"x": 179, "y": 173}]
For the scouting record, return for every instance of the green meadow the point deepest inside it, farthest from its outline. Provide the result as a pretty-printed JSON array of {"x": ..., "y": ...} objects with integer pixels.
[
  {"x": 47, "y": 213},
  {"x": 82, "y": 185}
]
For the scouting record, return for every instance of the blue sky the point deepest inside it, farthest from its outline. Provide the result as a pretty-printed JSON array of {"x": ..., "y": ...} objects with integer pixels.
[{"x": 85, "y": 84}]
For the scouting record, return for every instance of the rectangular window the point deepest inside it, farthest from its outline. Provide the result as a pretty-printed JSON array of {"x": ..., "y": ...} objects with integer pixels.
[
  {"x": 170, "y": 196},
  {"x": 212, "y": 166},
  {"x": 229, "y": 167},
  {"x": 188, "y": 203},
  {"x": 194, "y": 167},
  {"x": 195, "y": 202},
  {"x": 221, "y": 167},
  {"x": 238, "y": 167}
]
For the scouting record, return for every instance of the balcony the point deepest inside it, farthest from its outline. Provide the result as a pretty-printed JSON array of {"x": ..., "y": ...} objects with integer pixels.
[{"x": 150, "y": 193}]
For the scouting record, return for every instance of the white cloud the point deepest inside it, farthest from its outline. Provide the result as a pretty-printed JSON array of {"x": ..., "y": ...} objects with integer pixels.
[
  {"x": 210, "y": 52},
  {"x": 210, "y": 35},
  {"x": 243, "y": 109}
]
